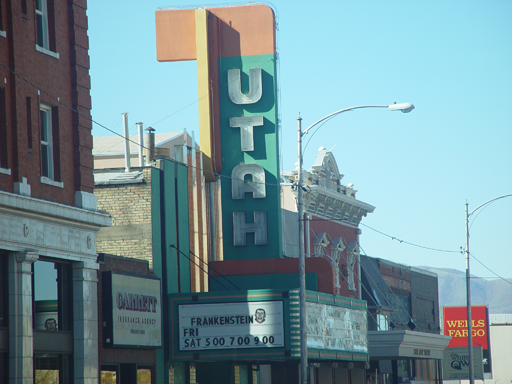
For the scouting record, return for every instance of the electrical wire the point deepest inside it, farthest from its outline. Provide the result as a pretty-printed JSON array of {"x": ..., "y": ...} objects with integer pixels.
[
  {"x": 397, "y": 300},
  {"x": 369, "y": 276},
  {"x": 486, "y": 267},
  {"x": 409, "y": 243},
  {"x": 57, "y": 100},
  {"x": 207, "y": 272}
]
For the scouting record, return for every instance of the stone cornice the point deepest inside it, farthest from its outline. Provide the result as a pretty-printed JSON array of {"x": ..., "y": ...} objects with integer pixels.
[
  {"x": 349, "y": 210},
  {"x": 30, "y": 207}
]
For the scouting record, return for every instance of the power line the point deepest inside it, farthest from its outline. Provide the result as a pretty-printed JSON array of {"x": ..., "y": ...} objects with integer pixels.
[
  {"x": 486, "y": 267},
  {"x": 57, "y": 100},
  {"x": 408, "y": 243},
  {"x": 207, "y": 272},
  {"x": 397, "y": 300}
]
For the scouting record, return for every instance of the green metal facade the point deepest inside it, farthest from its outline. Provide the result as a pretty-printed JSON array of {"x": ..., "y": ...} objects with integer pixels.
[{"x": 170, "y": 228}]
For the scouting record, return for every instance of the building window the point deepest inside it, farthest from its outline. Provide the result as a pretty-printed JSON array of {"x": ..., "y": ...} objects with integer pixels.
[
  {"x": 46, "y": 141},
  {"x": 52, "y": 296},
  {"x": 47, "y": 369},
  {"x": 28, "y": 106},
  {"x": 382, "y": 322},
  {"x": 42, "y": 24},
  {"x": 4, "y": 363},
  {"x": 3, "y": 131},
  {"x": 45, "y": 27},
  {"x": 109, "y": 374},
  {"x": 352, "y": 258},
  {"x": 320, "y": 244},
  {"x": 4, "y": 303},
  {"x": 50, "y": 156},
  {"x": 2, "y": 20},
  {"x": 144, "y": 375}
]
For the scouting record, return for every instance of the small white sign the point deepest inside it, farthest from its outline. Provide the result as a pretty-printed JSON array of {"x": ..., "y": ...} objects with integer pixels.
[
  {"x": 136, "y": 311},
  {"x": 231, "y": 325}
]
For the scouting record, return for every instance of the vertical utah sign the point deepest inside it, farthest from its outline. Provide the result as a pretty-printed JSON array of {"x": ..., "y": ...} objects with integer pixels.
[{"x": 236, "y": 71}]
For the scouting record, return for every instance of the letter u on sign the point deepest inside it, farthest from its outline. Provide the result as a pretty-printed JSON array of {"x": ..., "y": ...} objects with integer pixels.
[{"x": 235, "y": 87}]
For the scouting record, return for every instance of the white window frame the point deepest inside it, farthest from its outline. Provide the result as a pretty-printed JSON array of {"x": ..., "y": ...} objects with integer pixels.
[{"x": 47, "y": 110}]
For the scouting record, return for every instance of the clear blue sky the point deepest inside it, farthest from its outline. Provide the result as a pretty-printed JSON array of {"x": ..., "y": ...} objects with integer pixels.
[{"x": 452, "y": 59}]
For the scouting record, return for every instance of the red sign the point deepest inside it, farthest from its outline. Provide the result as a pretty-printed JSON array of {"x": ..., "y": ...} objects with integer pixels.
[{"x": 456, "y": 326}]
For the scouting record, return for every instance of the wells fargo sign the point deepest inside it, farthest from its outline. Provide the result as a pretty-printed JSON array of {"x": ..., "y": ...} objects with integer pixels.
[
  {"x": 235, "y": 51},
  {"x": 456, "y": 326}
]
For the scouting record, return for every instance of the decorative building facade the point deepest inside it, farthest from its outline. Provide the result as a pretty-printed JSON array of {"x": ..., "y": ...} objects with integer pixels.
[
  {"x": 332, "y": 217},
  {"x": 48, "y": 213}
]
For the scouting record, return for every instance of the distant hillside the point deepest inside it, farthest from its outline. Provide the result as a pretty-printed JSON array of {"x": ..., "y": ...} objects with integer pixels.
[{"x": 496, "y": 294}]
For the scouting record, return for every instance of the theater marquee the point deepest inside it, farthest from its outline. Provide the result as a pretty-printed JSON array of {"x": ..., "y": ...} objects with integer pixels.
[{"x": 256, "y": 324}]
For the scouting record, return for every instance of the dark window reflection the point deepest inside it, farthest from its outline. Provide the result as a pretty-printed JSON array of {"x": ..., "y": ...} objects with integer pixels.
[{"x": 52, "y": 296}]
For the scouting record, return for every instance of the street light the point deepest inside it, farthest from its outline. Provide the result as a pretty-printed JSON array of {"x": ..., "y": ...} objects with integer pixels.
[
  {"x": 468, "y": 287},
  {"x": 404, "y": 107}
]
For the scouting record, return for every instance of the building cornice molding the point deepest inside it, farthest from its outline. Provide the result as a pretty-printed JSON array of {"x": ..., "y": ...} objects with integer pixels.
[
  {"x": 30, "y": 207},
  {"x": 335, "y": 206}
]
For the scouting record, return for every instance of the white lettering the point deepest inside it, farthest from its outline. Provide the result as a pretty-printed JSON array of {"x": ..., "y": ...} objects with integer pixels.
[
  {"x": 257, "y": 186},
  {"x": 246, "y": 125},
  {"x": 235, "y": 86},
  {"x": 241, "y": 228}
]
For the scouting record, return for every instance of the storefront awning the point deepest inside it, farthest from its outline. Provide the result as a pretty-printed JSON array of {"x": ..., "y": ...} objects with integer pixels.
[{"x": 402, "y": 344}]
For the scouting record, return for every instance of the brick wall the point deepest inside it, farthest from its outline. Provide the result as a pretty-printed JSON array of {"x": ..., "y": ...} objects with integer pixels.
[
  {"x": 61, "y": 82},
  {"x": 130, "y": 206},
  {"x": 416, "y": 292},
  {"x": 425, "y": 301}
]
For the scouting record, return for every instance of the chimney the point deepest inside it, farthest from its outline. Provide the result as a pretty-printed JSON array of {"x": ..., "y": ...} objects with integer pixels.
[
  {"x": 149, "y": 151},
  {"x": 141, "y": 144},
  {"x": 126, "y": 142}
]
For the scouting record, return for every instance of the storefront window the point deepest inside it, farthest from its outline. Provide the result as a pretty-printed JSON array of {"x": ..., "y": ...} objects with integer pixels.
[
  {"x": 4, "y": 363},
  {"x": 52, "y": 296},
  {"x": 4, "y": 304},
  {"x": 143, "y": 375},
  {"x": 47, "y": 370},
  {"x": 109, "y": 374}
]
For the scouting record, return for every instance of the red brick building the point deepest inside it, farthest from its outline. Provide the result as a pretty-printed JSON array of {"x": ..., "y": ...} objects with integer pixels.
[{"x": 48, "y": 215}]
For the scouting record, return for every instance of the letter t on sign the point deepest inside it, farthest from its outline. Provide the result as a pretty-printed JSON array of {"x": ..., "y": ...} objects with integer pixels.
[{"x": 246, "y": 125}]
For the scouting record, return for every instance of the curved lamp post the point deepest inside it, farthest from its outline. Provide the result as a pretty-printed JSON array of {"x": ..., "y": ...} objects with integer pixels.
[
  {"x": 404, "y": 107},
  {"x": 468, "y": 286}
]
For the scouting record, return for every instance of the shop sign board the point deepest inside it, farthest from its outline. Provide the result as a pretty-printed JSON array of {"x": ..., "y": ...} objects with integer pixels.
[
  {"x": 456, "y": 363},
  {"x": 132, "y": 310},
  {"x": 456, "y": 326},
  {"x": 234, "y": 325},
  {"x": 336, "y": 328}
]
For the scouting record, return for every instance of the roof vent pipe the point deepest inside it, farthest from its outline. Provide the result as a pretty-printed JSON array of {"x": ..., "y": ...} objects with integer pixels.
[
  {"x": 149, "y": 150},
  {"x": 141, "y": 144},
  {"x": 126, "y": 142}
]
